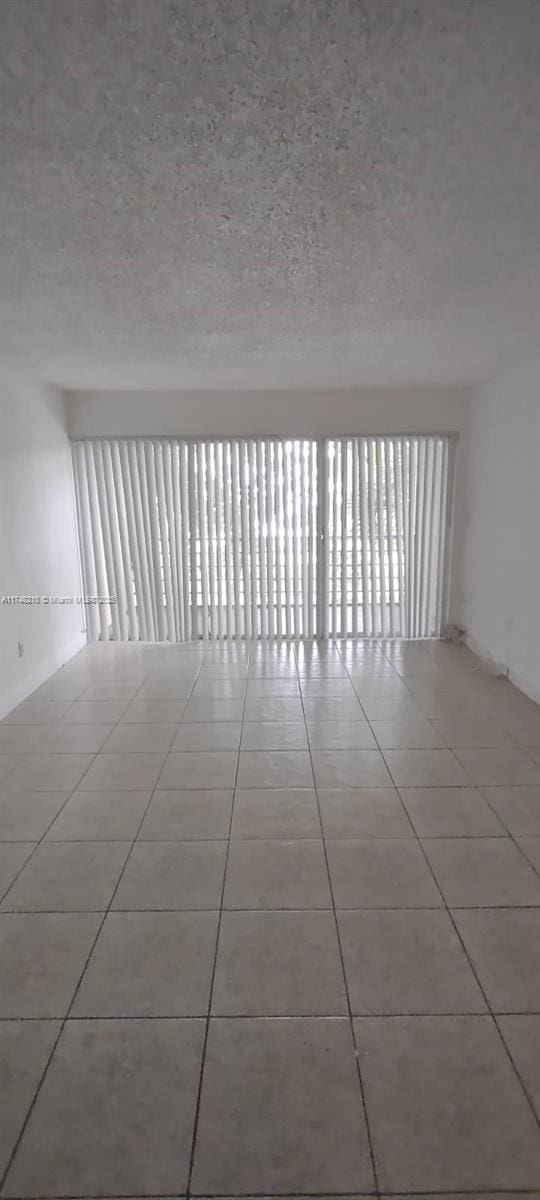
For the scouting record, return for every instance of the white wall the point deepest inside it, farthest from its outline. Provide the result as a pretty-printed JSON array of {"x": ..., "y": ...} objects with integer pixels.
[
  {"x": 252, "y": 414},
  {"x": 500, "y": 605},
  {"x": 38, "y": 541}
]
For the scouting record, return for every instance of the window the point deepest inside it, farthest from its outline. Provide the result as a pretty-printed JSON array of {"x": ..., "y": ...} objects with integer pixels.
[{"x": 264, "y": 538}]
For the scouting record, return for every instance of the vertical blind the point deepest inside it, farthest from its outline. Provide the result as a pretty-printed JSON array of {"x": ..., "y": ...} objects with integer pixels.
[
  {"x": 264, "y": 538},
  {"x": 385, "y": 554}
]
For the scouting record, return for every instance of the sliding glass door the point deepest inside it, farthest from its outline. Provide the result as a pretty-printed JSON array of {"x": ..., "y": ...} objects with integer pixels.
[
  {"x": 385, "y": 542},
  {"x": 264, "y": 538}
]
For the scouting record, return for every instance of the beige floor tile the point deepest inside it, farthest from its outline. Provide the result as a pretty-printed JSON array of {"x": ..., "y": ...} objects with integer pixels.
[
  {"x": 130, "y": 737},
  {"x": 8, "y": 762},
  {"x": 517, "y": 807},
  {"x": 60, "y": 689},
  {"x": 524, "y": 727},
  {"x": 341, "y": 735},
  {"x": 403, "y": 962},
  {"x": 276, "y": 708},
  {"x": 390, "y": 688},
  {"x": 49, "y": 772},
  {"x": 389, "y": 708},
  {"x": 26, "y": 816},
  {"x": 531, "y": 848},
  {"x": 451, "y": 708},
  {"x": 381, "y": 873},
  {"x": 274, "y": 769},
  {"x": 274, "y": 735},
  {"x": 162, "y": 712},
  {"x": 20, "y": 739},
  {"x": 350, "y": 769},
  {"x": 95, "y": 712},
  {"x": 42, "y": 956},
  {"x": 13, "y": 856},
  {"x": 279, "y": 686},
  {"x": 68, "y": 877},
  {"x": 522, "y": 1036},
  {"x": 86, "y": 751},
  {"x": 100, "y": 816},
  {"x": 224, "y": 670},
  {"x": 110, "y": 689},
  {"x": 279, "y": 964},
  {"x": 24, "y": 1050},
  {"x": 199, "y": 769},
  {"x": 208, "y": 735},
  {"x": 127, "y": 771},
  {"x": 277, "y": 874},
  {"x": 406, "y": 735},
  {"x": 213, "y": 710},
  {"x": 446, "y": 1109},
  {"x": 189, "y": 815},
  {"x": 349, "y": 709},
  {"x": 256, "y": 1135},
  {"x": 64, "y": 738},
  {"x": 504, "y": 946},
  {"x": 461, "y": 1196},
  {"x": 327, "y": 688},
  {"x": 475, "y": 732},
  {"x": 442, "y": 685},
  {"x": 450, "y": 812},
  {"x": 219, "y": 689},
  {"x": 166, "y": 688},
  {"x": 156, "y": 964},
  {"x": 474, "y": 872},
  {"x": 425, "y": 768},
  {"x": 108, "y": 1081},
  {"x": 271, "y": 668},
  {"x": 275, "y": 813},
  {"x": 498, "y": 767},
  {"x": 34, "y": 712},
  {"x": 172, "y": 875},
  {"x": 363, "y": 813}
]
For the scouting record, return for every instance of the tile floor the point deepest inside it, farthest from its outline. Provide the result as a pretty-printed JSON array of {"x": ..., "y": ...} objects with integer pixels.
[{"x": 270, "y": 925}]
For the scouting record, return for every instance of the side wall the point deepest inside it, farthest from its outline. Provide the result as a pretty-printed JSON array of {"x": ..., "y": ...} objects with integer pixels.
[
  {"x": 501, "y": 555},
  {"x": 38, "y": 538}
]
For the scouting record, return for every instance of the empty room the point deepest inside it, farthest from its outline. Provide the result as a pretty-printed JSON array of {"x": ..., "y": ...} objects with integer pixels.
[{"x": 269, "y": 599}]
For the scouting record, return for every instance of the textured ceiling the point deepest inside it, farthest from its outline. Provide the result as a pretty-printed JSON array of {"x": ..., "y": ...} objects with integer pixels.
[{"x": 269, "y": 193}]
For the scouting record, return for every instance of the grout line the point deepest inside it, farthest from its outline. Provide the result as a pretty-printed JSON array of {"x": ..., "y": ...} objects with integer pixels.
[
  {"x": 41, "y": 1080},
  {"x": 64, "y": 1020},
  {"x": 214, "y": 965},
  {"x": 489, "y": 1013},
  {"x": 78, "y": 786},
  {"x": 490, "y": 1010},
  {"x": 25, "y": 912},
  {"x": 532, "y": 864},
  {"x": 49, "y": 826},
  {"x": 276, "y": 1016},
  {"x": 516, "y": 1191},
  {"x": 301, "y": 1195},
  {"x": 344, "y": 974},
  {"x": 509, "y": 833},
  {"x": 97, "y": 912}
]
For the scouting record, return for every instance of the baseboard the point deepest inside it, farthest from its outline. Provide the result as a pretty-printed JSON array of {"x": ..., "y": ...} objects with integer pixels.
[
  {"x": 500, "y": 668},
  {"x": 17, "y": 694}
]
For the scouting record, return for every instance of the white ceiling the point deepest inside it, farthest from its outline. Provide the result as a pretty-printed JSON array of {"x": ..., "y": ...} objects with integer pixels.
[{"x": 269, "y": 193}]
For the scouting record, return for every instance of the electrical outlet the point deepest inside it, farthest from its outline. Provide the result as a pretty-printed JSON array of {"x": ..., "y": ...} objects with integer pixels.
[{"x": 20, "y": 648}]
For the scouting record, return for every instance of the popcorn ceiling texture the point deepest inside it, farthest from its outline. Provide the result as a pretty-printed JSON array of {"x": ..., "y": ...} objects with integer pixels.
[{"x": 259, "y": 193}]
